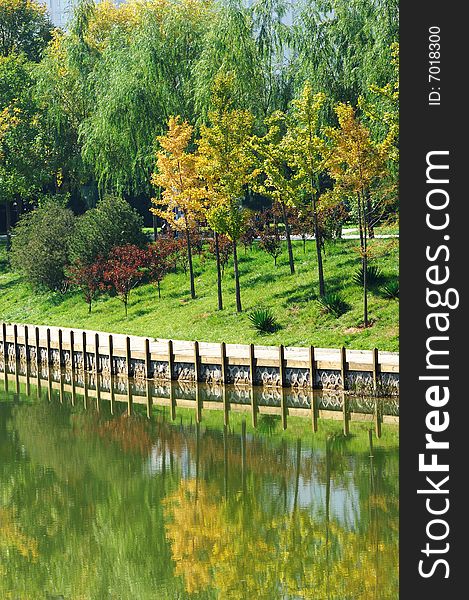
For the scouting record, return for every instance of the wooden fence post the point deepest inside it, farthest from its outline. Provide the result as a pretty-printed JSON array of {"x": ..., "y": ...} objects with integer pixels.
[
  {"x": 26, "y": 343},
  {"x": 72, "y": 353},
  {"x": 111, "y": 354},
  {"x": 48, "y": 346},
  {"x": 170, "y": 360},
  {"x": 96, "y": 356},
  {"x": 15, "y": 341},
  {"x": 375, "y": 368},
  {"x": 85, "y": 361},
  {"x": 196, "y": 362},
  {"x": 147, "y": 358},
  {"x": 223, "y": 362},
  {"x": 312, "y": 367},
  {"x": 343, "y": 367},
  {"x": 5, "y": 345},
  {"x": 61, "y": 361},
  {"x": 38, "y": 348},
  {"x": 252, "y": 365},
  {"x": 281, "y": 362},
  {"x": 128, "y": 358}
]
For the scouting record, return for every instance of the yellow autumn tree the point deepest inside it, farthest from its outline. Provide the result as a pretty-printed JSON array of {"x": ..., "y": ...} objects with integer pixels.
[
  {"x": 272, "y": 177},
  {"x": 181, "y": 204},
  {"x": 223, "y": 161},
  {"x": 305, "y": 155},
  {"x": 355, "y": 161}
]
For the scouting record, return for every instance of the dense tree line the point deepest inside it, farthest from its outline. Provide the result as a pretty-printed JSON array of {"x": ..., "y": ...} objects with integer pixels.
[{"x": 267, "y": 103}]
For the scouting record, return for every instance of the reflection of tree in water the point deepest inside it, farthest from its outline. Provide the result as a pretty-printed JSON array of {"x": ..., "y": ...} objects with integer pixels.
[{"x": 222, "y": 516}]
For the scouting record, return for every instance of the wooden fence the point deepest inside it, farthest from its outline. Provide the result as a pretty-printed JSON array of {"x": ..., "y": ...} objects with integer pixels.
[{"x": 277, "y": 366}]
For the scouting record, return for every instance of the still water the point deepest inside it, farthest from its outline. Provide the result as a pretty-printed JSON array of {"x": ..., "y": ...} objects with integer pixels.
[{"x": 95, "y": 506}]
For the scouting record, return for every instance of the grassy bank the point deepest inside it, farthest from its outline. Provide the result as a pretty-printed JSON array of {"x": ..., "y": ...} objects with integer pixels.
[{"x": 176, "y": 316}]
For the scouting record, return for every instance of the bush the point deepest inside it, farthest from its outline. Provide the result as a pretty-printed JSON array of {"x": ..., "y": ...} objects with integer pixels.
[
  {"x": 263, "y": 320},
  {"x": 332, "y": 303},
  {"x": 40, "y": 245},
  {"x": 112, "y": 223},
  {"x": 373, "y": 276},
  {"x": 391, "y": 290}
]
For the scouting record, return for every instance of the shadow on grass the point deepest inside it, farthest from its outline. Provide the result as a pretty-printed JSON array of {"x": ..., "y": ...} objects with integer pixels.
[{"x": 301, "y": 294}]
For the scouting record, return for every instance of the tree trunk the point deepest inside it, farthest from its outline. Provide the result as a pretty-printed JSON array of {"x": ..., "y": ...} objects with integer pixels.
[
  {"x": 155, "y": 228},
  {"x": 8, "y": 223},
  {"x": 236, "y": 274},
  {"x": 219, "y": 290},
  {"x": 371, "y": 229},
  {"x": 159, "y": 290},
  {"x": 318, "y": 248},
  {"x": 287, "y": 235},
  {"x": 365, "y": 268},
  {"x": 189, "y": 259}
]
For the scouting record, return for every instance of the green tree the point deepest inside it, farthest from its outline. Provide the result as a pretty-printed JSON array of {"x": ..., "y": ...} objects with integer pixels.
[
  {"x": 40, "y": 245},
  {"x": 224, "y": 164},
  {"x": 112, "y": 223},
  {"x": 24, "y": 28},
  {"x": 305, "y": 156}
]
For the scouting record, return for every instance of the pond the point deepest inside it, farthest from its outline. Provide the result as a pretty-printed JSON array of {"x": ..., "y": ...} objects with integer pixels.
[{"x": 97, "y": 506}]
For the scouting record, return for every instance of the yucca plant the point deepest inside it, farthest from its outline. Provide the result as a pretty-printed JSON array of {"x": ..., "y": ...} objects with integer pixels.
[
  {"x": 332, "y": 303},
  {"x": 373, "y": 276},
  {"x": 263, "y": 320},
  {"x": 391, "y": 290}
]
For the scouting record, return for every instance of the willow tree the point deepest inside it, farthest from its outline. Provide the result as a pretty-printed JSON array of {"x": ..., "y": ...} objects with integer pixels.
[
  {"x": 145, "y": 75},
  {"x": 356, "y": 162},
  {"x": 224, "y": 164},
  {"x": 305, "y": 156},
  {"x": 181, "y": 202},
  {"x": 341, "y": 46},
  {"x": 272, "y": 176}
]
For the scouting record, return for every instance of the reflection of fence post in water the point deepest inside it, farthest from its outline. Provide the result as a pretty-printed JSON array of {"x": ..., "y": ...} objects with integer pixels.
[
  {"x": 314, "y": 410},
  {"x": 74, "y": 392},
  {"x": 111, "y": 401},
  {"x": 49, "y": 383},
  {"x": 129, "y": 398},
  {"x": 377, "y": 416},
  {"x": 226, "y": 407},
  {"x": 225, "y": 460},
  {"x": 297, "y": 476},
  {"x": 197, "y": 458},
  {"x": 243, "y": 455},
  {"x": 328, "y": 500},
  {"x": 283, "y": 406},
  {"x": 345, "y": 413},
  {"x": 148, "y": 385},
  {"x": 98, "y": 392},
  {"x": 172, "y": 400},
  {"x": 198, "y": 403},
  {"x": 61, "y": 386},
  {"x": 85, "y": 389},
  {"x": 252, "y": 392}
]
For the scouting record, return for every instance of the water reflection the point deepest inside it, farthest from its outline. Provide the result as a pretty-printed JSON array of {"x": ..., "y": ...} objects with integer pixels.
[
  {"x": 331, "y": 404},
  {"x": 101, "y": 506}
]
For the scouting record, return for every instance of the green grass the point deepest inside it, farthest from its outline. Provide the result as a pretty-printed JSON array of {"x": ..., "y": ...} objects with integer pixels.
[{"x": 176, "y": 316}]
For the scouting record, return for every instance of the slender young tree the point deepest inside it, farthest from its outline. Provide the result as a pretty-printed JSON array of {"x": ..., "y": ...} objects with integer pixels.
[
  {"x": 272, "y": 176},
  {"x": 356, "y": 163},
  {"x": 305, "y": 156},
  {"x": 181, "y": 203},
  {"x": 224, "y": 164}
]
